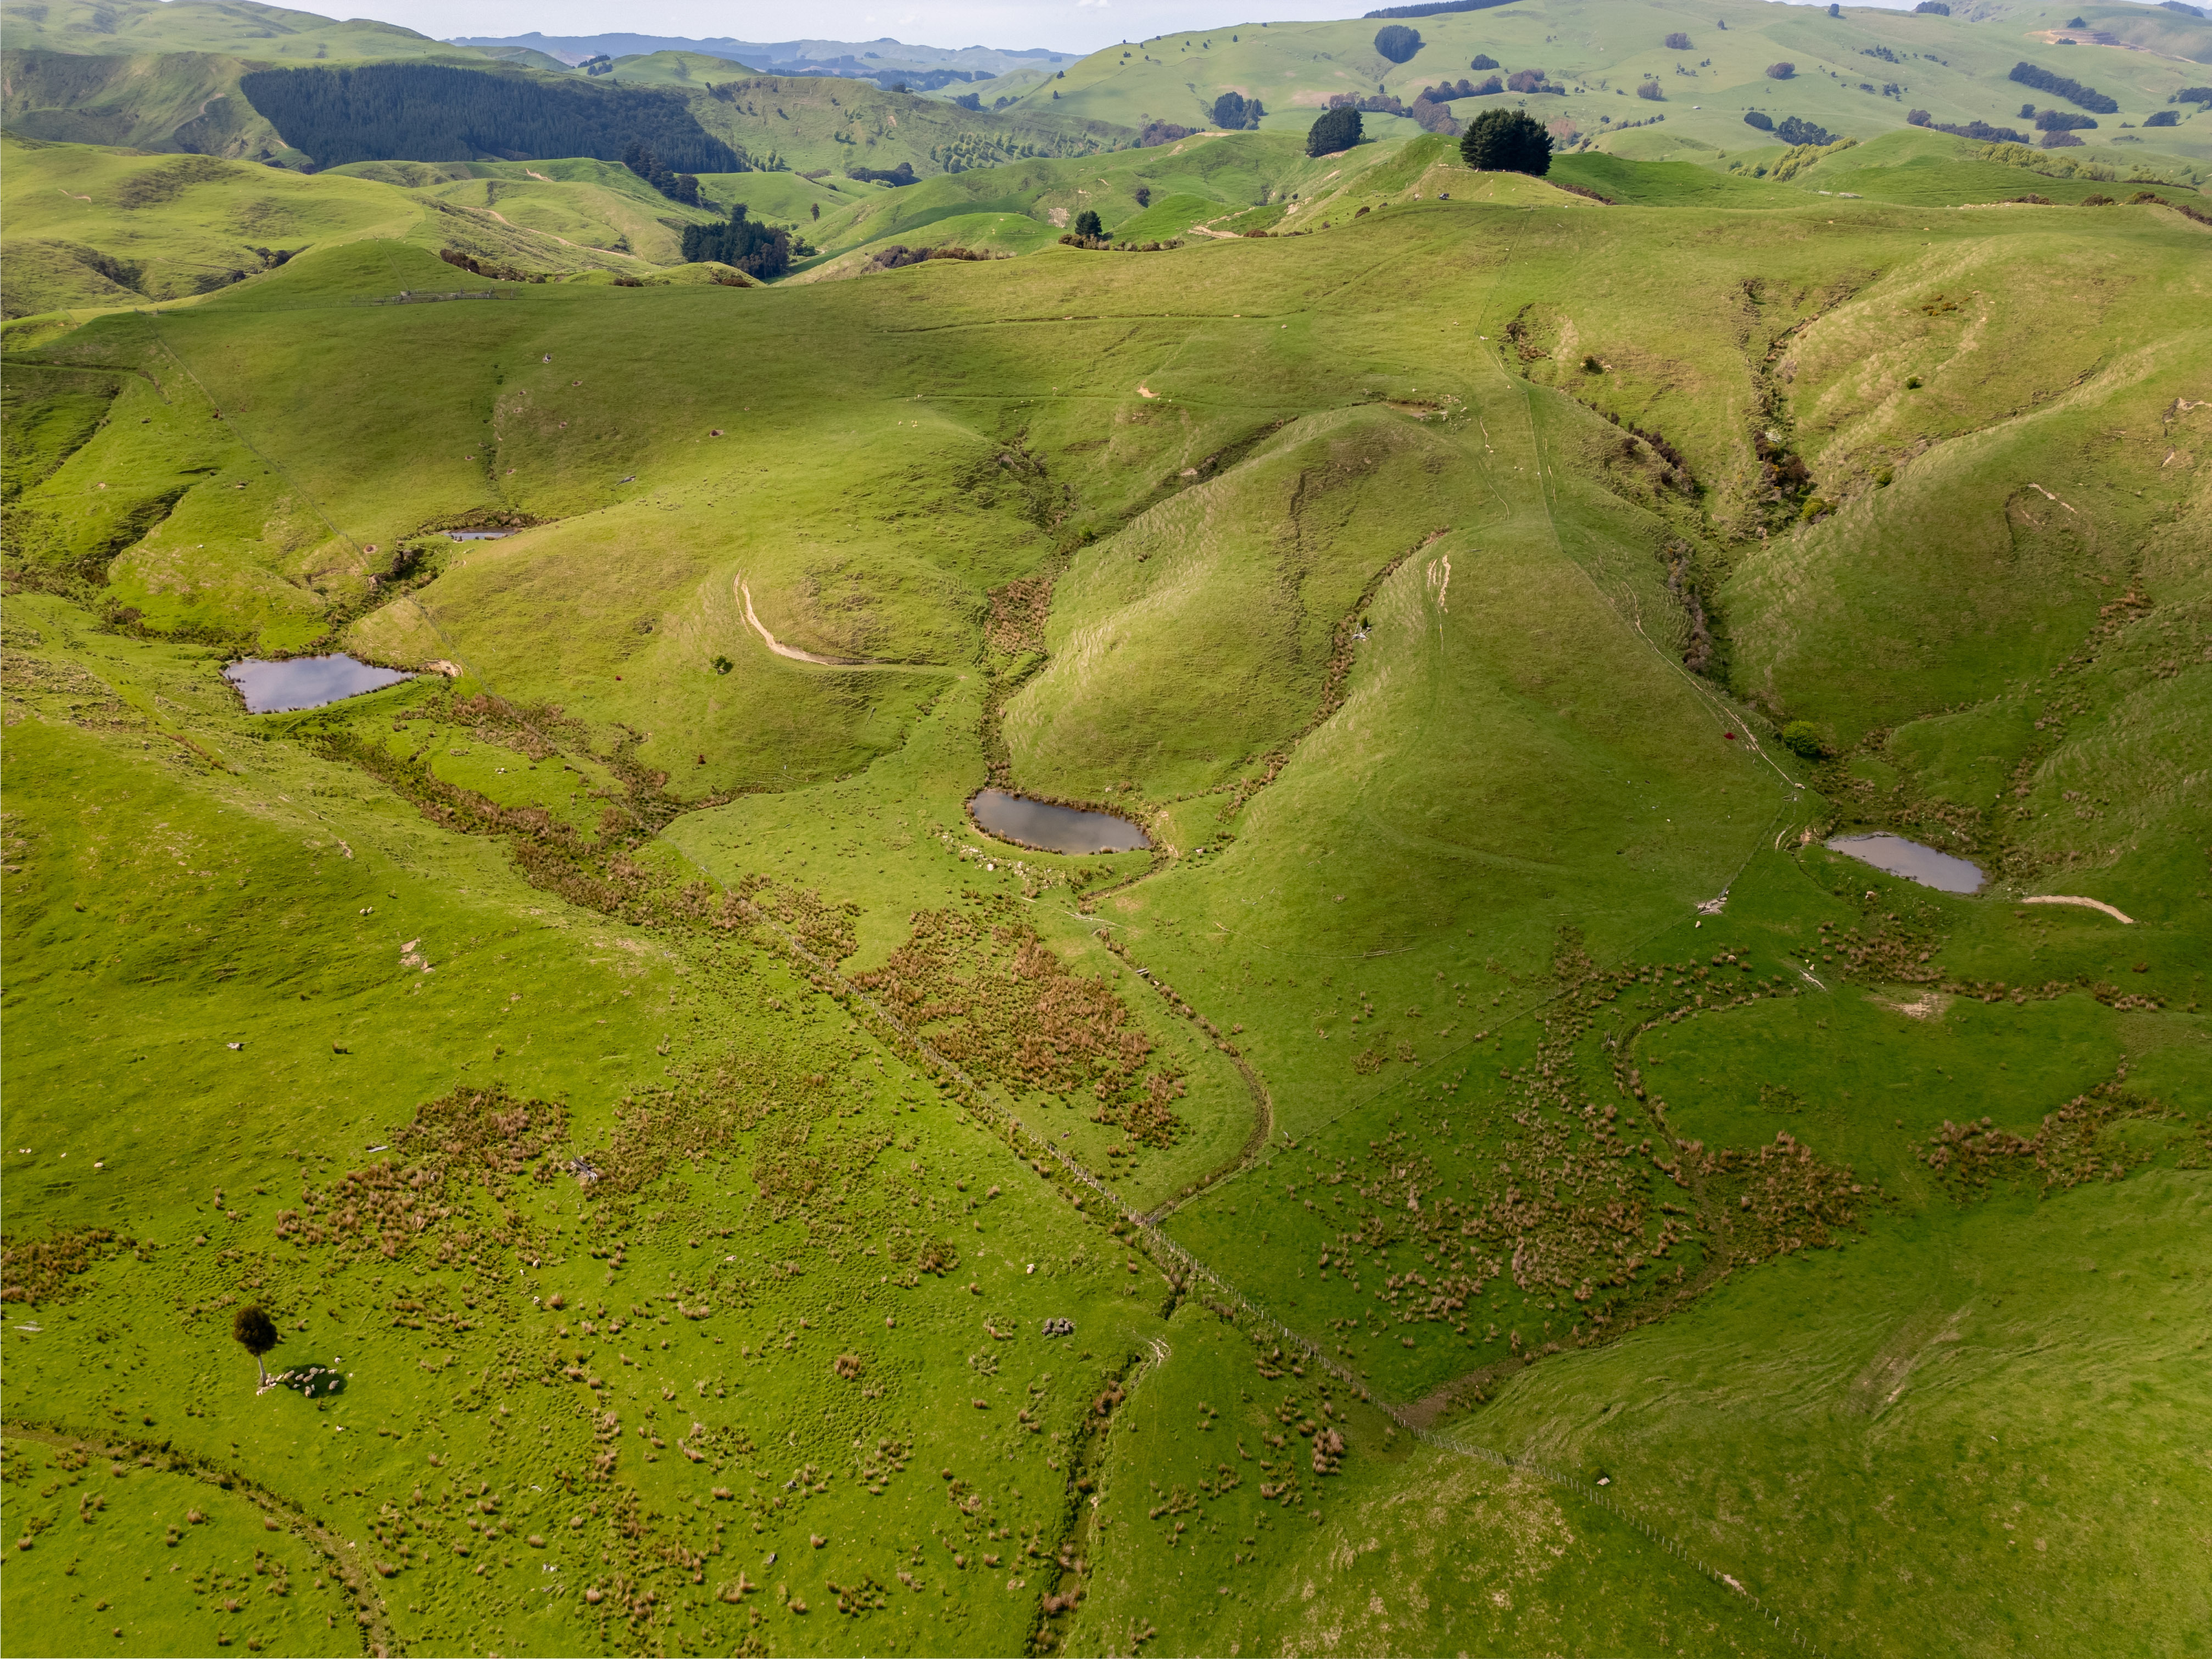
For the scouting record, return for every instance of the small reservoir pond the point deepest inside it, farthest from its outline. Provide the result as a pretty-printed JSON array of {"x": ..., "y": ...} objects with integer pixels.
[
  {"x": 1911, "y": 860},
  {"x": 1055, "y": 829},
  {"x": 273, "y": 688}
]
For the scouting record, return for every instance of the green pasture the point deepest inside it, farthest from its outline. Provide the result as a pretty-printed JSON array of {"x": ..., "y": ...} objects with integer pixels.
[{"x": 616, "y": 1051}]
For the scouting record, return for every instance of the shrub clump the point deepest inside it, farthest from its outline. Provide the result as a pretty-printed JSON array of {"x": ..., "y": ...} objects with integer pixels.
[
  {"x": 493, "y": 269},
  {"x": 40, "y": 1269},
  {"x": 1803, "y": 738},
  {"x": 1782, "y": 71},
  {"x": 1678, "y": 41},
  {"x": 1507, "y": 141},
  {"x": 897, "y": 257}
]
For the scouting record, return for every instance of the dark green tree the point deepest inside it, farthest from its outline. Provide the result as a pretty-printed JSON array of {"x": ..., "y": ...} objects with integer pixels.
[
  {"x": 1087, "y": 224},
  {"x": 752, "y": 247},
  {"x": 257, "y": 1333},
  {"x": 1236, "y": 112},
  {"x": 1396, "y": 42},
  {"x": 1507, "y": 141},
  {"x": 1338, "y": 129}
]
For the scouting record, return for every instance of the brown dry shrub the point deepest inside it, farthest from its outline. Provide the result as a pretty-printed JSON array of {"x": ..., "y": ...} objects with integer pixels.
[
  {"x": 40, "y": 1269},
  {"x": 996, "y": 1001},
  {"x": 482, "y": 1135}
]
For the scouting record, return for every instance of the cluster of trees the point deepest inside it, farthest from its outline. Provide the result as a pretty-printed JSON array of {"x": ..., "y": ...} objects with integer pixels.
[
  {"x": 1338, "y": 129},
  {"x": 1782, "y": 71},
  {"x": 1531, "y": 80},
  {"x": 1429, "y": 110},
  {"x": 756, "y": 249},
  {"x": 1161, "y": 132},
  {"x": 894, "y": 177},
  {"x": 1933, "y": 9},
  {"x": 2058, "y": 120},
  {"x": 1979, "y": 130},
  {"x": 1396, "y": 42},
  {"x": 675, "y": 186},
  {"x": 2060, "y": 86},
  {"x": 1507, "y": 141},
  {"x": 429, "y": 112},
  {"x": 1678, "y": 41},
  {"x": 1464, "y": 88},
  {"x": 1791, "y": 129},
  {"x": 1237, "y": 113},
  {"x": 1435, "y": 8}
]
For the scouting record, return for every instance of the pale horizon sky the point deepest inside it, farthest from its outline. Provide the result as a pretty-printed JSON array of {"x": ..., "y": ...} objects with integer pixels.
[{"x": 1072, "y": 26}]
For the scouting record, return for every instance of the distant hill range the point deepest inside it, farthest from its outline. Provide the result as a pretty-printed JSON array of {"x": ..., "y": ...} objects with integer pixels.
[{"x": 922, "y": 67}]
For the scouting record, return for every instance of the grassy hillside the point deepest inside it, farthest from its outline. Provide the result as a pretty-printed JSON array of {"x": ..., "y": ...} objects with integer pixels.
[
  {"x": 813, "y": 123},
  {"x": 1198, "y": 181},
  {"x": 166, "y": 101},
  {"x": 236, "y": 28},
  {"x": 1954, "y": 66},
  {"x": 1513, "y": 1187},
  {"x": 92, "y": 227}
]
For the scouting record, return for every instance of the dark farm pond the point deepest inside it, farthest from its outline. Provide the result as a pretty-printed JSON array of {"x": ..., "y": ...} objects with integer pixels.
[
  {"x": 1055, "y": 829},
  {"x": 271, "y": 687},
  {"x": 1911, "y": 860}
]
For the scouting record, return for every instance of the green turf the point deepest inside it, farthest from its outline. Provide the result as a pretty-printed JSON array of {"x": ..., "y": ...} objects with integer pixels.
[{"x": 677, "y": 1120}]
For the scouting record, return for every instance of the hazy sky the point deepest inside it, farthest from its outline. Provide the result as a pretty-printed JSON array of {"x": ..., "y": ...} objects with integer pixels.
[{"x": 1066, "y": 25}]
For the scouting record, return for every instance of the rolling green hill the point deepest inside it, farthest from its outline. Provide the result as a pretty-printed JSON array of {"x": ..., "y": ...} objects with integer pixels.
[
  {"x": 233, "y": 28},
  {"x": 1953, "y": 68},
  {"x": 90, "y": 229},
  {"x": 1488, "y": 1175}
]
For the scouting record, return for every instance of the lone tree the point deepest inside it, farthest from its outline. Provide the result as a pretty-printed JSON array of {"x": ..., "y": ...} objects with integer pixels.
[
  {"x": 1337, "y": 129},
  {"x": 257, "y": 1333},
  {"x": 1507, "y": 141},
  {"x": 1087, "y": 224},
  {"x": 1396, "y": 42}
]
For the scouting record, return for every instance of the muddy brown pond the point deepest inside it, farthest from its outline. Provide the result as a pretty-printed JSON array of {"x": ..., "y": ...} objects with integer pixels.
[
  {"x": 1055, "y": 829},
  {"x": 273, "y": 688},
  {"x": 1911, "y": 860}
]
